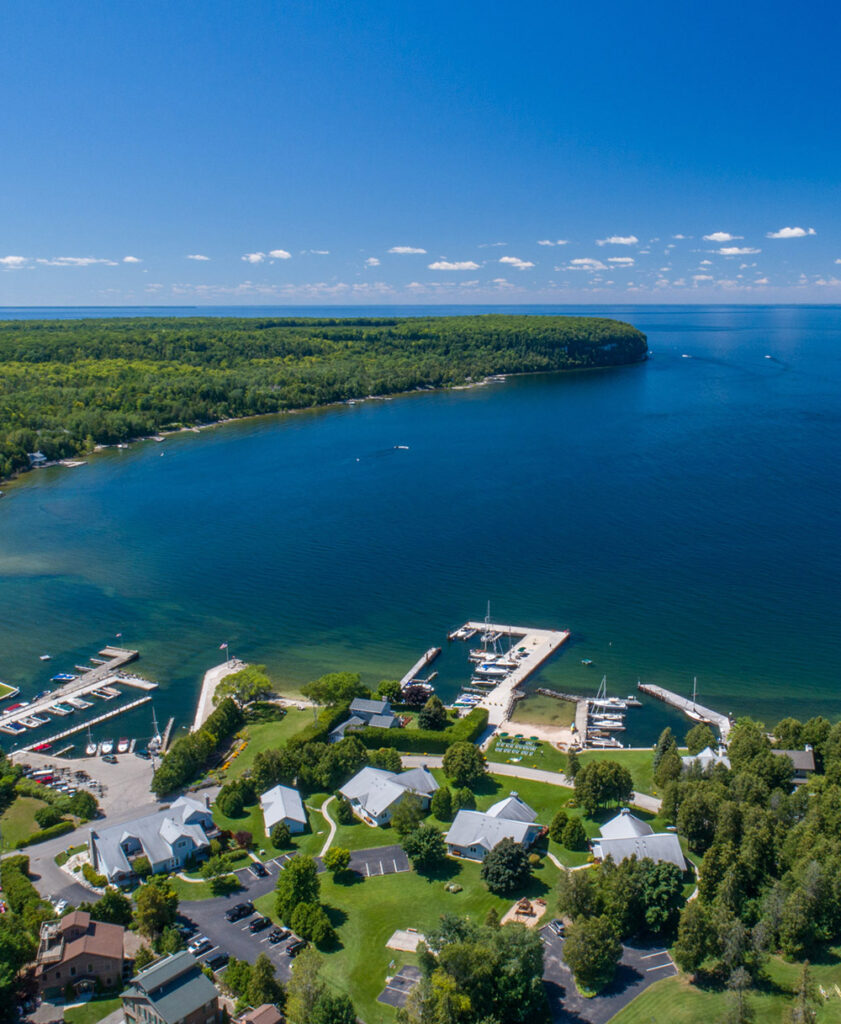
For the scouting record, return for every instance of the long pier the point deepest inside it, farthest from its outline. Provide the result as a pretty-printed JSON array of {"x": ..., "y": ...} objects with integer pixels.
[
  {"x": 697, "y": 712},
  {"x": 113, "y": 659},
  {"x": 79, "y": 726},
  {"x": 538, "y": 644},
  {"x": 422, "y": 663}
]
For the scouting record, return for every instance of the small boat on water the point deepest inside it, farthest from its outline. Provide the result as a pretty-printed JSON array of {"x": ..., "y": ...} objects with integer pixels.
[
  {"x": 491, "y": 671},
  {"x": 41, "y": 748},
  {"x": 60, "y": 709},
  {"x": 63, "y": 677},
  {"x": 107, "y": 747},
  {"x": 122, "y": 745},
  {"x": 587, "y": 661},
  {"x": 43, "y": 694},
  {"x": 79, "y": 703},
  {"x": 44, "y": 657}
]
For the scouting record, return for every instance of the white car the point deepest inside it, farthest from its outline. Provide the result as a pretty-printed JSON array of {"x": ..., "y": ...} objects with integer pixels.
[
  {"x": 60, "y": 906},
  {"x": 200, "y": 944}
]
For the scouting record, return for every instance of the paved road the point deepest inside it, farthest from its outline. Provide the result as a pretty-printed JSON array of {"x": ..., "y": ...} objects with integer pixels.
[
  {"x": 639, "y": 967},
  {"x": 516, "y": 771}
]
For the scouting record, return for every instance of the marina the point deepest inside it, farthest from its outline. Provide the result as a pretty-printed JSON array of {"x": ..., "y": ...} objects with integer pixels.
[
  {"x": 50, "y": 740},
  {"x": 411, "y": 677}
]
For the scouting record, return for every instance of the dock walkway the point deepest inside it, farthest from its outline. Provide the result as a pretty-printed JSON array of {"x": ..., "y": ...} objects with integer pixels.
[
  {"x": 79, "y": 726},
  {"x": 212, "y": 678},
  {"x": 697, "y": 712},
  {"x": 422, "y": 663},
  {"x": 108, "y": 672},
  {"x": 540, "y": 644}
]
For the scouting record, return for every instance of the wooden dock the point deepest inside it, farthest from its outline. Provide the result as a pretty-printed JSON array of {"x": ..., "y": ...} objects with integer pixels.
[
  {"x": 419, "y": 665},
  {"x": 538, "y": 644},
  {"x": 697, "y": 712},
  {"x": 79, "y": 726}
]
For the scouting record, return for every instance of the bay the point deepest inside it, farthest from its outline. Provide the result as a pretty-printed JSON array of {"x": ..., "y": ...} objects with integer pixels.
[{"x": 680, "y": 517}]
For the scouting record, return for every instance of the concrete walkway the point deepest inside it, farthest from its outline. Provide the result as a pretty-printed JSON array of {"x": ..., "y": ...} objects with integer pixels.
[
  {"x": 330, "y": 822},
  {"x": 212, "y": 678}
]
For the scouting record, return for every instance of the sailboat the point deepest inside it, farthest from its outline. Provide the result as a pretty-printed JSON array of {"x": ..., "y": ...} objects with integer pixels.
[
  {"x": 90, "y": 748},
  {"x": 693, "y": 711},
  {"x": 605, "y": 703},
  {"x": 155, "y": 742}
]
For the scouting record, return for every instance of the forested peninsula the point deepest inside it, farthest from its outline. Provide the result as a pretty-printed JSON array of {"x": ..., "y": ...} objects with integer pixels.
[{"x": 69, "y": 385}]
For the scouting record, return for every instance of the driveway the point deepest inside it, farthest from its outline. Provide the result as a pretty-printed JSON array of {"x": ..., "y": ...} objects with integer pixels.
[
  {"x": 639, "y": 967},
  {"x": 382, "y": 860}
]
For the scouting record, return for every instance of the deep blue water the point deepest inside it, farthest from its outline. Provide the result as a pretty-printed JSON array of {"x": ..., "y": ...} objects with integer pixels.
[{"x": 681, "y": 517}]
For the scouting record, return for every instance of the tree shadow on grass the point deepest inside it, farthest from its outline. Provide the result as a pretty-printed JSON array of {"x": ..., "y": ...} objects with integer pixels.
[
  {"x": 487, "y": 786},
  {"x": 348, "y": 877}
]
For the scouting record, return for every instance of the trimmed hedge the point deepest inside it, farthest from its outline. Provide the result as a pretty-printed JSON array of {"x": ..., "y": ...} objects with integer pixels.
[
  {"x": 425, "y": 741},
  {"x": 189, "y": 754},
  {"x": 18, "y": 889},
  {"x": 318, "y": 731},
  {"x": 42, "y": 835},
  {"x": 92, "y": 876}
]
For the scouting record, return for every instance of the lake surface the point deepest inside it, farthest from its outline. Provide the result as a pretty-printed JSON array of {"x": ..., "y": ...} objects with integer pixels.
[{"x": 680, "y": 517}]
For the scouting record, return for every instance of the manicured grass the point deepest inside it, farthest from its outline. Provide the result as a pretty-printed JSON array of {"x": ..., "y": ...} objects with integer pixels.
[
  {"x": 252, "y": 821},
  {"x": 543, "y": 710},
  {"x": 65, "y": 855},
  {"x": 264, "y": 736},
  {"x": 187, "y": 891},
  {"x": 6, "y": 690},
  {"x": 638, "y": 762},
  {"x": 366, "y": 912},
  {"x": 680, "y": 1002},
  {"x": 18, "y": 821},
  {"x": 546, "y": 756},
  {"x": 89, "y": 1013}
]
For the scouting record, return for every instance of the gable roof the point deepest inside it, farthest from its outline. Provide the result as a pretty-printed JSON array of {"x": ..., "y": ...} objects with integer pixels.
[
  {"x": 175, "y": 986},
  {"x": 474, "y": 828},
  {"x": 155, "y": 832},
  {"x": 265, "y": 1014},
  {"x": 418, "y": 780},
  {"x": 625, "y": 826},
  {"x": 282, "y": 803},
  {"x": 376, "y": 790},
  {"x": 707, "y": 757},
  {"x": 659, "y": 846},
  {"x": 803, "y": 760},
  {"x": 360, "y": 706},
  {"x": 75, "y": 919}
]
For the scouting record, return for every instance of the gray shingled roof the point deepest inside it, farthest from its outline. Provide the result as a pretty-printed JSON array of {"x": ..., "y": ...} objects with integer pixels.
[
  {"x": 707, "y": 757},
  {"x": 803, "y": 760},
  {"x": 360, "y": 706},
  {"x": 376, "y": 790},
  {"x": 625, "y": 826},
  {"x": 282, "y": 804},
  {"x": 473, "y": 828},
  {"x": 513, "y": 809},
  {"x": 660, "y": 846},
  {"x": 175, "y": 986}
]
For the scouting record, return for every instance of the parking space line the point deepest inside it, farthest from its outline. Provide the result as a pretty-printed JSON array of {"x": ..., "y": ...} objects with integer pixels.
[
  {"x": 660, "y": 952},
  {"x": 659, "y": 967}
]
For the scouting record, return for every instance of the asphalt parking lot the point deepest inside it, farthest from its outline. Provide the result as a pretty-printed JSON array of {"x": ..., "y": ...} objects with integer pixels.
[
  {"x": 383, "y": 860},
  {"x": 639, "y": 967},
  {"x": 397, "y": 990}
]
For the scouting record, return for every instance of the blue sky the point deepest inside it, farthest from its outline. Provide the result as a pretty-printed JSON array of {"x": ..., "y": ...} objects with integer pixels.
[{"x": 291, "y": 152}]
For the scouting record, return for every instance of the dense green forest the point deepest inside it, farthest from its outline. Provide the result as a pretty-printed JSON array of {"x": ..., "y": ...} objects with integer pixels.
[{"x": 67, "y": 385}]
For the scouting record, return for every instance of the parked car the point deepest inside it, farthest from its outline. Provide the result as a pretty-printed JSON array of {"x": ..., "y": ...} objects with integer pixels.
[
  {"x": 557, "y": 927},
  {"x": 258, "y": 869},
  {"x": 109, "y": 758},
  {"x": 278, "y": 935},
  {"x": 239, "y": 911},
  {"x": 201, "y": 944},
  {"x": 258, "y": 924},
  {"x": 294, "y": 948},
  {"x": 217, "y": 961},
  {"x": 186, "y": 927}
]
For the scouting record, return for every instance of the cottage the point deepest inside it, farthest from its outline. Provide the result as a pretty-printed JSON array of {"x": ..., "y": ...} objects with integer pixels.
[
  {"x": 628, "y": 836},
  {"x": 78, "y": 953},
  {"x": 707, "y": 758},
  {"x": 803, "y": 761},
  {"x": 375, "y": 794},
  {"x": 474, "y": 834},
  {"x": 376, "y": 713},
  {"x": 168, "y": 839},
  {"x": 172, "y": 991},
  {"x": 283, "y": 805}
]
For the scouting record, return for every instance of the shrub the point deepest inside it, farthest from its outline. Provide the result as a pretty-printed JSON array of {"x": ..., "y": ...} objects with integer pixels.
[
  {"x": 534, "y": 859},
  {"x": 143, "y": 957},
  {"x": 59, "y": 829},
  {"x": 506, "y": 868},
  {"x": 47, "y": 816},
  {"x": 573, "y": 836},
  {"x": 464, "y": 763},
  {"x": 442, "y": 803},
  {"x": 556, "y": 828},
  {"x": 93, "y": 877},
  {"x": 337, "y": 859},
  {"x": 83, "y": 804},
  {"x": 310, "y": 921},
  {"x": 141, "y": 866},
  {"x": 344, "y": 812},
  {"x": 464, "y": 800},
  {"x": 422, "y": 741},
  {"x": 280, "y": 836},
  {"x": 244, "y": 839},
  {"x": 317, "y": 731},
  {"x": 189, "y": 754}
]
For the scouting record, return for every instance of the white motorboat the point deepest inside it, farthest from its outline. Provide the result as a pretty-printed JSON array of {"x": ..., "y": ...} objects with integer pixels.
[{"x": 107, "y": 747}]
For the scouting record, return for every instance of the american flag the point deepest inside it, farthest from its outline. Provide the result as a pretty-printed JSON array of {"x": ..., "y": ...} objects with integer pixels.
[{"x": 223, "y": 647}]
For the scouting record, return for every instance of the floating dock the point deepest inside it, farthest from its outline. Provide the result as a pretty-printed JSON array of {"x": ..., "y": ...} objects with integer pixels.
[
  {"x": 537, "y": 646},
  {"x": 424, "y": 662},
  {"x": 697, "y": 712},
  {"x": 84, "y": 725}
]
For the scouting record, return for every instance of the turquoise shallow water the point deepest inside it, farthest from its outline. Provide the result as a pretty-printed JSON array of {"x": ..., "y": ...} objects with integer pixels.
[{"x": 681, "y": 517}]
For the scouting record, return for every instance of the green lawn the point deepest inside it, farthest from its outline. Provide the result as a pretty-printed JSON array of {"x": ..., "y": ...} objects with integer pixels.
[
  {"x": 89, "y": 1013},
  {"x": 543, "y": 710},
  {"x": 680, "y": 1002},
  {"x": 638, "y": 762},
  {"x": 309, "y": 842},
  {"x": 546, "y": 756},
  {"x": 264, "y": 736},
  {"x": 65, "y": 855},
  {"x": 18, "y": 820},
  {"x": 6, "y": 690},
  {"x": 366, "y": 912}
]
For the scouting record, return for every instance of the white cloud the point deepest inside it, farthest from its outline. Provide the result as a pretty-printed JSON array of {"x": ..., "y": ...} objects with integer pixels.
[
  {"x": 680, "y": 238},
  {"x": 621, "y": 261},
  {"x": 735, "y": 250},
  {"x": 492, "y": 245},
  {"x": 131, "y": 259},
  {"x": 407, "y": 250},
  {"x": 19, "y": 261},
  {"x": 618, "y": 240},
  {"x": 558, "y": 241},
  {"x": 198, "y": 256},
  {"x": 449, "y": 265},
  {"x": 722, "y": 236},
  {"x": 19, "y": 257},
  {"x": 515, "y": 261},
  {"x": 75, "y": 261},
  {"x": 280, "y": 254},
  {"x": 702, "y": 277},
  {"x": 254, "y": 257},
  {"x": 315, "y": 252},
  {"x": 706, "y": 263},
  {"x": 762, "y": 280},
  {"x": 586, "y": 263},
  {"x": 372, "y": 261},
  {"x": 791, "y": 233}
]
